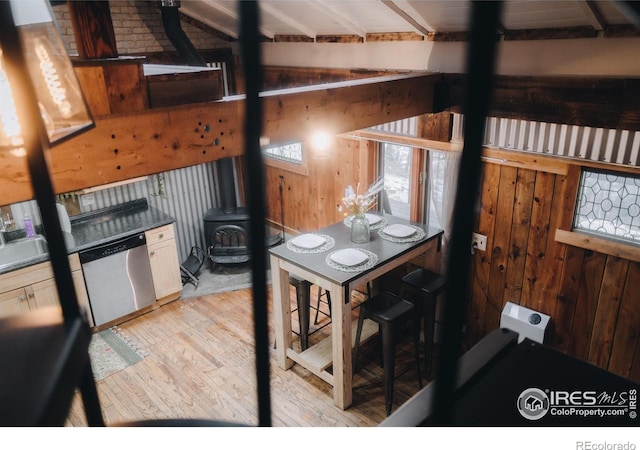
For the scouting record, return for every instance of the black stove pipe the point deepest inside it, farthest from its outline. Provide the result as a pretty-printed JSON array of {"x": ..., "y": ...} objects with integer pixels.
[
  {"x": 177, "y": 36},
  {"x": 227, "y": 185}
]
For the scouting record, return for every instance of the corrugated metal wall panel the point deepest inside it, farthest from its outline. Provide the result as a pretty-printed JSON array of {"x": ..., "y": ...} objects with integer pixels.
[
  {"x": 594, "y": 144},
  {"x": 188, "y": 194},
  {"x": 405, "y": 127}
]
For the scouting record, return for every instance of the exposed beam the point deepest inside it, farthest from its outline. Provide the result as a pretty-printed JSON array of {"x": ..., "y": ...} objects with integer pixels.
[
  {"x": 585, "y": 101},
  {"x": 448, "y": 36},
  {"x": 192, "y": 9},
  {"x": 420, "y": 28},
  {"x": 204, "y": 27},
  {"x": 386, "y": 37},
  {"x": 593, "y": 13},
  {"x": 292, "y": 38},
  {"x": 340, "y": 39},
  {"x": 127, "y": 146},
  {"x": 282, "y": 17},
  {"x": 550, "y": 33},
  {"x": 617, "y": 31},
  {"x": 340, "y": 18}
]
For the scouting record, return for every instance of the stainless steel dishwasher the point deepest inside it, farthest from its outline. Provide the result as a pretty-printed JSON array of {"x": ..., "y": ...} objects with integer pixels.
[{"x": 118, "y": 278}]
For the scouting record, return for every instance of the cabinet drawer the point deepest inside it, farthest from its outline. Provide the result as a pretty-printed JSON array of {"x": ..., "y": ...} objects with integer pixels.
[{"x": 160, "y": 234}]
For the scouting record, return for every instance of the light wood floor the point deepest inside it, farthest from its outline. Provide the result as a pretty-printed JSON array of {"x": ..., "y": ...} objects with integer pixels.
[{"x": 201, "y": 365}]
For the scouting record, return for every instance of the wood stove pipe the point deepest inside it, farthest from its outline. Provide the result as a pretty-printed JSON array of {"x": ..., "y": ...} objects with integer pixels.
[{"x": 177, "y": 36}]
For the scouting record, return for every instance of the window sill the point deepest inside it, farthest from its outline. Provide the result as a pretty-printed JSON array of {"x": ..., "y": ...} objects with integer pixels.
[
  {"x": 290, "y": 167},
  {"x": 597, "y": 244}
]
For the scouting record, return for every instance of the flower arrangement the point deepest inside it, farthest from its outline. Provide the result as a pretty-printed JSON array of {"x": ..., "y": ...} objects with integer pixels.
[{"x": 358, "y": 204}]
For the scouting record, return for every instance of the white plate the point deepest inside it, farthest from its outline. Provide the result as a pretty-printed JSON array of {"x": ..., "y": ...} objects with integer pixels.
[
  {"x": 398, "y": 230},
  {"x": 372, "y": 218},
  {"x": 308, "y": 241},
  {"x": 349, "y": 257}
]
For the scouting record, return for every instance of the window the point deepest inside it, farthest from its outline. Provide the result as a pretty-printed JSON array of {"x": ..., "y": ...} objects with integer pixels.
[
  {"x": 288, "y": 156},
  {"x": 291, "y": 153},
  {"x": 396, "y": 169},
  {"x": 420, "y": 183},
  {"x": 608, "y": 204}
]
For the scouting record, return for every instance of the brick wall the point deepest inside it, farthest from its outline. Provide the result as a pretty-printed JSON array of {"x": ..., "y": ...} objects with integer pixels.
[{"x": 138, "y": 29}]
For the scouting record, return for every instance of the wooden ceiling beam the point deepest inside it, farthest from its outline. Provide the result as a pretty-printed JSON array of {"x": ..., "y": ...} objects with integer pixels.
[
  {"x": 584, "y": 101},
  {"x": 130, "y": 145},
  {"x": 550, "y": 33}
]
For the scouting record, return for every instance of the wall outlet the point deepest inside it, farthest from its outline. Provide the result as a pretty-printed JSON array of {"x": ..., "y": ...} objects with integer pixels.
[
  {"x": 479, "y": 241},
  {"x": 88, "y": 199}
]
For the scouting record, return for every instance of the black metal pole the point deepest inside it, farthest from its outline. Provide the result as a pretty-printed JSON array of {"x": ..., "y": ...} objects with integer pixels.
[
  {"x": 480, "y": 64},
  {"x": 36, "y": 144},
  {"x": 250, "y": 51}
]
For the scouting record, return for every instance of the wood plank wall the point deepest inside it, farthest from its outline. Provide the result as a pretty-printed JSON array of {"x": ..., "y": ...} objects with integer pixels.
[
  {"x": 311, "y": 200},
  {"x": 592, "y": 297}
]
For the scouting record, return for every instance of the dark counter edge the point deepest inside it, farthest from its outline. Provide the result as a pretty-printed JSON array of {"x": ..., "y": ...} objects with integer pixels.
[{"x": 135, "y": 206}]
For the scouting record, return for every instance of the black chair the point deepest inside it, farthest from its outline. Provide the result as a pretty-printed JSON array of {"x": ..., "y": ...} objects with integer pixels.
[
  {"x": 424, "y": 287},
  {"x": 229, "y": 245},
  {"x": 391, "y": 313}
]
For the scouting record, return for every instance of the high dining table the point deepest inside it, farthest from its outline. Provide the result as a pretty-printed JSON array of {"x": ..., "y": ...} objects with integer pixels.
[{"x": 385, "y": 254}]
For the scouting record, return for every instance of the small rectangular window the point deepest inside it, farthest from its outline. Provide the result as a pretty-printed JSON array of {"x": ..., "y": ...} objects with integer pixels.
[
  {"x": 608, "y": 204},
  {"x": 291, "y": 153}
]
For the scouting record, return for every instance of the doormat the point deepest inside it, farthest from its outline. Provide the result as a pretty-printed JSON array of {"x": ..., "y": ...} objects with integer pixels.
[{"x": 111, "y": 350}]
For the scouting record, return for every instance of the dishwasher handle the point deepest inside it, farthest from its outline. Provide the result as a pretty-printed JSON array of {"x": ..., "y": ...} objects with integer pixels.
[{"x": 112, "y": 247}]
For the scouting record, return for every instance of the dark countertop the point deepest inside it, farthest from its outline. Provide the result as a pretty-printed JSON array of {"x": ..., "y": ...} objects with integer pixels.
[{"x": 105, "y": 225}]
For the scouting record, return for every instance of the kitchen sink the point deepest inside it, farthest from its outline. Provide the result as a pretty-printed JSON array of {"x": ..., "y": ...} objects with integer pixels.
[{"x": 21, "y": 250}]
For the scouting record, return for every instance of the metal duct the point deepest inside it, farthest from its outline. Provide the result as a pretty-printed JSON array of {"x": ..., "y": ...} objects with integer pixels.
[
  {"x": 227, "y": 185},
  {"x": 171, "y": 22}
]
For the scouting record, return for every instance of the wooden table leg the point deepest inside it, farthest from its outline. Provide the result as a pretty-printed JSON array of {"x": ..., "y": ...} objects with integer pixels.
[
  {"x": 281, "y": 312},
  {"x": 341, "y": 346}
]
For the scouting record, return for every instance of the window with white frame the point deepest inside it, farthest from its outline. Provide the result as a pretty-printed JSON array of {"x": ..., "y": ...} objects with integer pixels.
[
  {"x": 395, "y": 168},
  {"x": 291, "y": 152},
  {"x": 608, "y": 204},
  {"x": 435, "y": 187}
]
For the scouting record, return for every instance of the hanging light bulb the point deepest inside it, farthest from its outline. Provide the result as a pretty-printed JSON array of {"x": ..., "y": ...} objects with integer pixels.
[
  {"x": 60, "y": 99},
  {"x": 10, "y": 131},
  {"x": 320, "y": 145}
]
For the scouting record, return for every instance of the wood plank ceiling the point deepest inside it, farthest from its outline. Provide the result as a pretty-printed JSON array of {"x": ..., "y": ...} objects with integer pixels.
[{"x": 375, "y": 20}]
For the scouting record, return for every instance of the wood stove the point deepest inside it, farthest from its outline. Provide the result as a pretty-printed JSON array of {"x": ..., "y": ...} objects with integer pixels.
[{"x": 225, "y": 243}]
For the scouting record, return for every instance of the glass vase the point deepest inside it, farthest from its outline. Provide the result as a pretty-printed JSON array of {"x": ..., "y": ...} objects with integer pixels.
[{"x": 360, "y": 229}]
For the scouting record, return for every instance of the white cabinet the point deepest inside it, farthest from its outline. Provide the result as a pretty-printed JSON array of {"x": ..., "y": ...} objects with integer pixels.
[
  {"x": 165, "y": 265},
  {"x": 34, "y": 287}
]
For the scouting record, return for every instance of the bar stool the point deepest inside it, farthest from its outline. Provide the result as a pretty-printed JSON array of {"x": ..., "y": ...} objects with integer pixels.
[
  {"x": 327, "y": 296},
  {"x": 391, "y": 313},
  {"x": 425, "y": 287},
  {"x": 303, "y": 300}
]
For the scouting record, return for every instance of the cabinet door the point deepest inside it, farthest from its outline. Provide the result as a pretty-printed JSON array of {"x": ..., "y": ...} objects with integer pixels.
[
  {"x": 165, "y": 268},
  {"x": 43, "y": 294},
  {"x": 13, "y": 303}
]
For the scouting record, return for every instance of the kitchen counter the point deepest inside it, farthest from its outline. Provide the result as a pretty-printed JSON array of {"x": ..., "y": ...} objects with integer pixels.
[
  {"x": 108, "y": 224},
  {"x": 105, "y": 225}
]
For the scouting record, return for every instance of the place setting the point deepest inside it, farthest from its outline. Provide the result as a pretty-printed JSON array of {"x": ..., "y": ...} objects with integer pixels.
[
  {"x": 401, "y": 233},
  {"x": 351, "y": 259},
  {"x": 311, "y": 243}
]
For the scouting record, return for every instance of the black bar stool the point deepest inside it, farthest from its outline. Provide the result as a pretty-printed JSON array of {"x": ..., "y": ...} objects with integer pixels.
[
  {"x": 391, "y": 313},
  {"x": 425, "y": 287},
  {"x": 303, "y": 301},
  {"x": 322, "y": 293}
]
